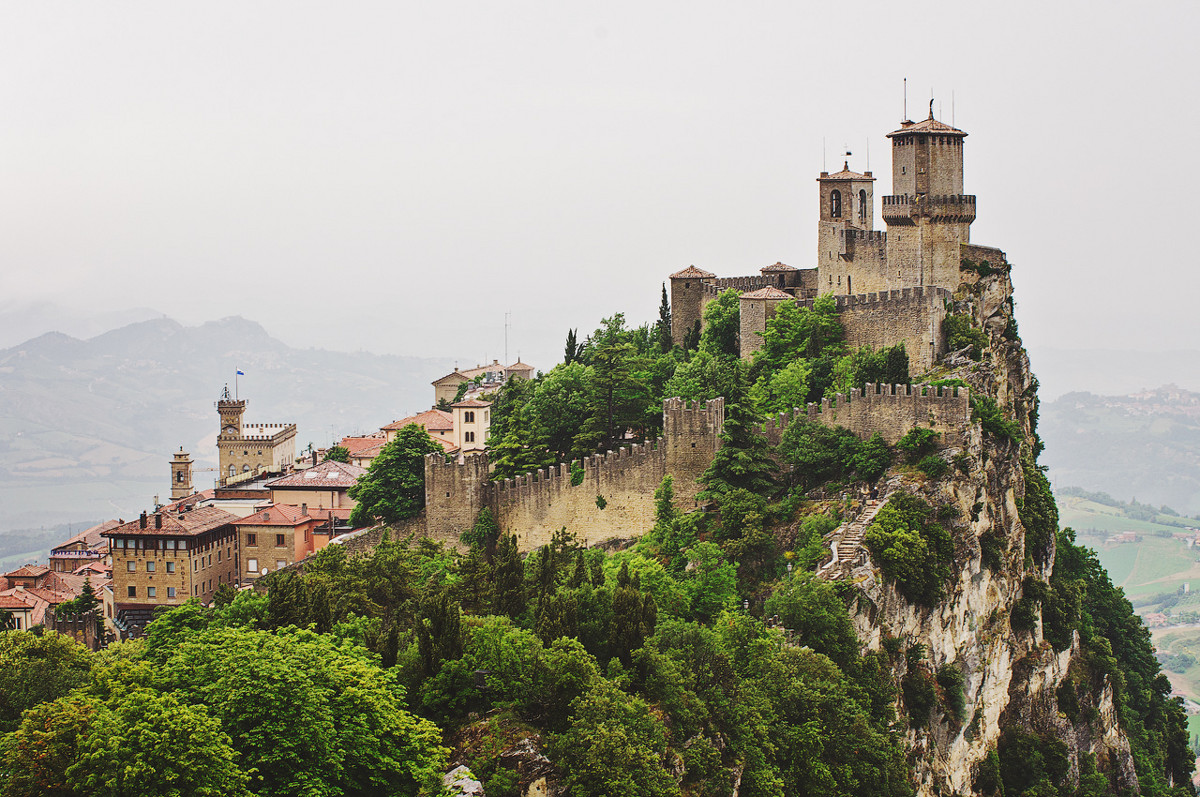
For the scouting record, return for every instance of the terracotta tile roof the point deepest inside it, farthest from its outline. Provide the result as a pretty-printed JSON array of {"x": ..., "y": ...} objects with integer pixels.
[
  {"x": 692, "y": 272},
  {"x": 449, "y": 445},
  {"x": 846, "y": 174},
  {"x": 777, "y": 268},
  {"x": 431, "y": 421},
  {"x": 99, "y": 568},
  {"x": 356, "y": 444},
  {"x": 50, "y": 596},
  {"x": 370, "y": 452},
  {"x": 929, "y": 125},
  {"x": 175, "y": 524},
  {"x": 767, "y": 293},
  {"x": 321, "y": 477},
  {"x": 455, "y": 376},
  {"x": 472, "y": 404},
  {"x": 194, "y": 498},
  {"x": 28, "y": 571},
  {"x": 276, "y": 515},
  {"x": 520, "y": 366},
  {"x": 90, "y": 538},
  {"x": 13, "y": 602}
]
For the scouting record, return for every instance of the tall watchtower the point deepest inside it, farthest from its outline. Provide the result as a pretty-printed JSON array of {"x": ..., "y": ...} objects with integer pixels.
[
  {"x": 928, "y": 216},
  {"x": 181, "y": 475},
  {"x": 847, "y": 203},
  {"x": 231, "y": 411}
]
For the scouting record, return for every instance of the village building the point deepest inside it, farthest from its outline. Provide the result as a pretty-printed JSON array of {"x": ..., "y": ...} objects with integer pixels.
[
  {"x": 487, "y": 379},
  {"x": 247, "y": 451},
  {"x": 167, "y": 557},
  {"x": 86, "y": 546},
  {"x": 277, "y": 536},
  {"x": 472, "y": 421},
  {"x": 324, "y": 486}
]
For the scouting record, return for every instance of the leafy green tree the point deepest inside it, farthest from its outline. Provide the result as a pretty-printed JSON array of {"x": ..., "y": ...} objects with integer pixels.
[
  {"x": 37, "y": 668},
  {"x": 613, "y": 745},
  {"x": 150, "y": 743},
  {"x": 819, "y": 453},
  {"x": 559, "y": 401},
  {"x": 522, "y": 449},
  {"x": 393, "y": 488},
  {"x": 484, "y": 535},
  {"x": 911, "y": 548},
  {"x": 36, "y": 756},
  {"x": 618, "y": 399},
  {"x": 722, "y": 325},
  {"x": 810, "y": 608},
  {"x": 800, "y": 332},
  {"x": 786, "y": 388},
  {"x": 337, "y": 454},
  {"x": 712, "y": 585},
  {"x": 509, "y": 579},
  {"x": 691, "y": 338},
  {"x": 306, "y": 715},
  {"x": 961, "y": 333},
  {"x": 706, "y": 376}
]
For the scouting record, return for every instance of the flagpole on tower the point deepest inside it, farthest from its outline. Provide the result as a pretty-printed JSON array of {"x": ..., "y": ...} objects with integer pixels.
[{"x": 236, "y": 372}]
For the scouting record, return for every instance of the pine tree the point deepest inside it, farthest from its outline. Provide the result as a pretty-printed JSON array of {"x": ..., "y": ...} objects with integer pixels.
[
  {"x": 744, "y": 459},
  {"x": 573, "y": 348},
  {"x": 663, "y": 328},
  {"x": 510, "y": 579}
]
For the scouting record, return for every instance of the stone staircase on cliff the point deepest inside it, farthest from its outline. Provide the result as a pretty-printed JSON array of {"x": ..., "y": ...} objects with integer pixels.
[{"x": 846, "y": 541}]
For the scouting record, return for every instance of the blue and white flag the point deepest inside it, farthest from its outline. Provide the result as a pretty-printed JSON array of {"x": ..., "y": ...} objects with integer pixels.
[{"x": 241, "y": 373}]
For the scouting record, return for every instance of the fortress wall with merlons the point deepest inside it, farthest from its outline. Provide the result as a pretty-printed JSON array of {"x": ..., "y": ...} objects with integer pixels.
[{"x": 890, "y": 410}]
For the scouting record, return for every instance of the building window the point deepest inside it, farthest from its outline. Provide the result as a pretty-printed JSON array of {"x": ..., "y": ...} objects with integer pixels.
[
  {"x": 131, "y": 566},
  {"x": 468, "y": 417},
  {"x": 132, "y": 591},
  {"x": 862, "y": 205},
  {"x": 245, "y": 469},
  {"x": 835, "y": 204},
  {"x": 151, "y": 592},
  {"x": 469, "y": 437},
  {"x": 252, "y": 539},
  {"x": 232, "y": 471},
  {"x": 120, "y": 542},
  {"x": 170, "y": 545},
  {"x": 251, "y": 565},
  {"x": 280, "y": 564},
  {"x": 149, "y": 567},
  {"x": 183, "y": 545},
  {"x": 170, "y": 592},
  {"x": 196, "y": 565},
  {"x": 170, "y": 567},
  {"x": 280, "y": 541}
]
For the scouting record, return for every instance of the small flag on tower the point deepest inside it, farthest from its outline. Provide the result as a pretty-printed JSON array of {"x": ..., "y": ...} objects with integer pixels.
[{"x": 241, "y": 373}]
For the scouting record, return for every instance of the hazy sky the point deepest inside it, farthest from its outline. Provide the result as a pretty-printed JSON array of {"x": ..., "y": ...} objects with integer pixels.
[{"x": 396, "y": 176}]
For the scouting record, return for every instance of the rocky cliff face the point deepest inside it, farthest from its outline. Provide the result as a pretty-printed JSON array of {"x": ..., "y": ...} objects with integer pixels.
[{"x": 1012, "y": 679}]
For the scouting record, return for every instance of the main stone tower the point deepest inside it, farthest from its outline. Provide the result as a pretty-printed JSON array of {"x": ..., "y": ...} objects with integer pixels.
[
  {"x": 847, "y": 217},
  {"x": 928, "y": 216}
]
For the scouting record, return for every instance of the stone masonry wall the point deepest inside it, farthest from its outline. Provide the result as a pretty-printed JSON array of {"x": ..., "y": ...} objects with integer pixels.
[
  {"x": 891, "y": 410},
  {"x": 912, "y": 316}
]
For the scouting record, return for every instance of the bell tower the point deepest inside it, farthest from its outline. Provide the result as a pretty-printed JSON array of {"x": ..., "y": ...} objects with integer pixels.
[
  {"x": 847, "y": 205},
  {"x": 181, "y": 475},
  {"x": 231, "y": 411}
]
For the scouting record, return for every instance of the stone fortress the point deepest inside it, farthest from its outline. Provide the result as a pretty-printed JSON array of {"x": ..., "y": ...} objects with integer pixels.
[{"x": 889, "y": 287}]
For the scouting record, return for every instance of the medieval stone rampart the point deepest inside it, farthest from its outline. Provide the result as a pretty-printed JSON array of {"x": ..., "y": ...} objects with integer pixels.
[
  {"x": 715, "y": 287},
  {"x": 890, "y": 410},
  {"x": 454, "y": 494},
  {"x": 912, "y": 316}
]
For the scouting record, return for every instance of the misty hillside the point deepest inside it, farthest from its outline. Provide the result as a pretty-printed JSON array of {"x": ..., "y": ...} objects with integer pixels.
[
  {"x": 1144, "y": 446},
  {"x": 87, "y": 426}
]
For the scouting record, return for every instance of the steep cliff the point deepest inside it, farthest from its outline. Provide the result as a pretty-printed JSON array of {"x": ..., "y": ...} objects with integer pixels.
[{"x": 1019, "y": 685}]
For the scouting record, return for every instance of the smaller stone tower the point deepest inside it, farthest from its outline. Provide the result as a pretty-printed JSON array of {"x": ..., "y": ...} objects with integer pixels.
[
  {"x": 231, "y": 411},
  {"x": 756, "y": 308},
  {"x": 687, "y": 300},
  {"x": 847, "y": 203},
  {"x": 181, "y": 475}
]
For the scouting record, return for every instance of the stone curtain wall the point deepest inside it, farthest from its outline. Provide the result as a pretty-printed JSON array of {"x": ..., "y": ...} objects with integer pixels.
[
  {"x": 536, "y": 505},
  {"x": 912, "y": 316},
  {"x": 891, "y": 410}
]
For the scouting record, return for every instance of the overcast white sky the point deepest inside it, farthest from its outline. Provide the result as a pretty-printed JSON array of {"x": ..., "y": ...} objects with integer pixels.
[{"x": 396, "y": 176}]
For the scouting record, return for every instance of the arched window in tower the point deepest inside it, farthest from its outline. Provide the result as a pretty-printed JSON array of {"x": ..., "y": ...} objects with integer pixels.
[
  {"x": 232, "y": 471},
  {"x": 835, "y": 204},
  {"x": 862, "y": 205},
  {"x": 179, "y": 477}
]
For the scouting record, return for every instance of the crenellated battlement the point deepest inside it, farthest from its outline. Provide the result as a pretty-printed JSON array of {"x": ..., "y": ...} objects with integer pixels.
[
  {"x": 717, "y": 286},
  {"x": 903, "y": 295},
  {"x": 890, "y": 410},
  {"x": 905, "y": 209}
]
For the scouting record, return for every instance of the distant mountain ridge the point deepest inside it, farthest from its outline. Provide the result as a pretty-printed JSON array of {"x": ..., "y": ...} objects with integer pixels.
[
  {"x": 87, "y": 426},
  {"x": 1145, "y": 445}
]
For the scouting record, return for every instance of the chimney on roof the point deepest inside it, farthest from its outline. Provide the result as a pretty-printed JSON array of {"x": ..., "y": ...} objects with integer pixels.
[
  {"x": 143, "y": 520},
  {"x": 158, "y": 520},
  {"x": 314, "y": 459},
  {"x": 304, "y": 509}
]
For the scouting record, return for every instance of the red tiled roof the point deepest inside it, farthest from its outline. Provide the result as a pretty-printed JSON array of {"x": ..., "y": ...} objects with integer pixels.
[
  {"x": 327, "y": 475},
  {"x": 50, "y": 596},
  {"x": 194, "y": 498},
  {"x": 449, "y": 445},
  {"x": 455, "y": 375},
  {"x": 777, "y": 268},
  {"x": 846, "y": 174},
  {"x": 767, "y": 293},
  {"x": 472, "y": 404},
  {"x": 13, "y": 602},
  {"x": 28, "y": 571},
  {"x": 929, "y": 125},
  {"x": 356, "y": 444},
  {"x": 520, "y": 366},
  {"x": 371, "y": 452},
  {"x": 692, "y": 272},
  {"x": 90, "y": 538},
  {"x": 276, "y": 515},
  {"x": 431, "y": 421},
  {"x": 174, "y": 524}
]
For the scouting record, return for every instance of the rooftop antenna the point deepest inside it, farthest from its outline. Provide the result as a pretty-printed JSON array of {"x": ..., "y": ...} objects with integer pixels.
[
  {"x": 868, "y": 154},
  {"x": 824, "y": 168},
  {"x": 904, "y": 118},
  {"x": 506, "y": 318},
  {"x": 952, "y": 108}
]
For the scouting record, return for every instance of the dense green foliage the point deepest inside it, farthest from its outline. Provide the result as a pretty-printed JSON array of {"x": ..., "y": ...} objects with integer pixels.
[
  {"x": 393, "y": 488},
  {"x": 961, "y": 333},
  {"x": 911, "y": 548},
  {"x": 337, "y": 454}
]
